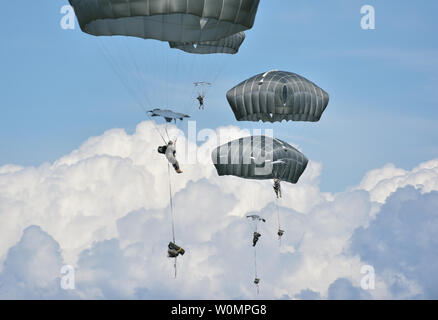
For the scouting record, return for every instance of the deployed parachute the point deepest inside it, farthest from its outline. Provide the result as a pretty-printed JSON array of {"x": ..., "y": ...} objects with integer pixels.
[
  {"x": 276, "y": 96},
  {"x": 168, "y": 115},
  {"x": 137, "y": 64},
  {"x": 202, "y": 87},
  {"x": 206, "y": 26},
  {"x": 259, "y": 157},
  {"x": 166, "y": 20},
  {"x": 228, "y": 45},
  {"x": 201, "y": 83}
]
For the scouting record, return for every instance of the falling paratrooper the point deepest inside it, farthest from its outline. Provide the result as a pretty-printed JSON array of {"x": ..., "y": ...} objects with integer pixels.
[
  {"x": 200, "y": 26},
  {"x": 256, "y": 235},
  {"x": 259, "y": 158}
]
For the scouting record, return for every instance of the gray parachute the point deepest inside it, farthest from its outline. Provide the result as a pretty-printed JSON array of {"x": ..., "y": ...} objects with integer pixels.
[
  {"x": 166, "y": 20},
  {"x": 261, "y": 158},
  {"x": 276, "y": 96},
  {"x": 228, "y": 45},
  {"x": 168, "y": 115}
]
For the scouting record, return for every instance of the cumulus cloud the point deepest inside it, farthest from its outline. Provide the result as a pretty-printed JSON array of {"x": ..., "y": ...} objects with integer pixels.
[
  {"x": 308, "y": 294},
  {"x": 401, "y": 244},
  {"x": 32, "y": 268},
  {"x": 343, "y": 289},
  {"x": 380, "y": 183},
  {"x": 104, "y": 208}
]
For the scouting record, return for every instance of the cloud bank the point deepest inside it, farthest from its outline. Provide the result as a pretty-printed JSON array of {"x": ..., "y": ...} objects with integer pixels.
[{"x": 104, "y": 209}]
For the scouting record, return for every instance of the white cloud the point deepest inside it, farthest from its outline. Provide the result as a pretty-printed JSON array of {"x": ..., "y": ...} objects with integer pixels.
[
  {"x": 401, "y": 244},
  {"x": 32, "y": 268},
  {"x": 380, "y": 183},
  {"x": 104, "y": 208}
]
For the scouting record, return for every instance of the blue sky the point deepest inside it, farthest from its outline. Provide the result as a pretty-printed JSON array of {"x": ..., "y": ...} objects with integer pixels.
[
  {"x": 97, "y": 204},
  {"x": 58, "y": 90}
]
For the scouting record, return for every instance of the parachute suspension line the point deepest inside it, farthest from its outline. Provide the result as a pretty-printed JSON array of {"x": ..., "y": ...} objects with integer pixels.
[
  {"x": 225, "y": 63},
  {"x": 255, "y": 270},
  {"x": 191, "y": 75},
  {"x": 126, "y": 61},
  {"x": 171, "y": 203},
  {"x": 156, "y": 128},
  {"x": 128, "y": 88},
  {"x": 278, "y": 219},
  {"x": 117, "y": 72},
  {"x": 139, "y": 72},
  {"x": 167, "y": 78},
  {"x": 189, "y": 100},
  {"x": 172, "y": 215},
  {"x": 255, "y": 222},
  {"x": 185, "y": 76},
  {"x": 167, "y": 133},
  {"x": 255, "y": 261}
]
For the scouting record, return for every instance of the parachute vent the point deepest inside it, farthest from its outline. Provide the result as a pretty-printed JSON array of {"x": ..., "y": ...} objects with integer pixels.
[{"x": 284, "y": 95}]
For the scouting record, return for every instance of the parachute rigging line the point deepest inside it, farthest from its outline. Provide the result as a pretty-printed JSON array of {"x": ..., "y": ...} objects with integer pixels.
[
  {"x": 156, "y": 128},
  {"x": 171, "y": 204},
  {"x": 255, "y": 268},
  {"x": 117, "y": 72},
  {"x": 172, "y": 215},
  {"x": 136, "y": 99},
  {"x": 278, "y": 218},
  {"x": 138, "y": 70},
  {"x": 167, "y": 134}
]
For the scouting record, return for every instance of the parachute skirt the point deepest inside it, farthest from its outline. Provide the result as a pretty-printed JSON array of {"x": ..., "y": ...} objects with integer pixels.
[{"x": 228, "y": 45}]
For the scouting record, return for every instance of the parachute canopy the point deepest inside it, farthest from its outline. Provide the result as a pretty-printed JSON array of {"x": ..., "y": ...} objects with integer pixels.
[
  {"x": 277, "y": 96},
  {"x": 261, "y": 158},
  {"x": 202, "y": 83},
  {"x": 169, "y": 115},
  {"x": 229, "y": 45},
  {"x": 202, "y": 88},
  {"x": 166, "y": 20}
]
